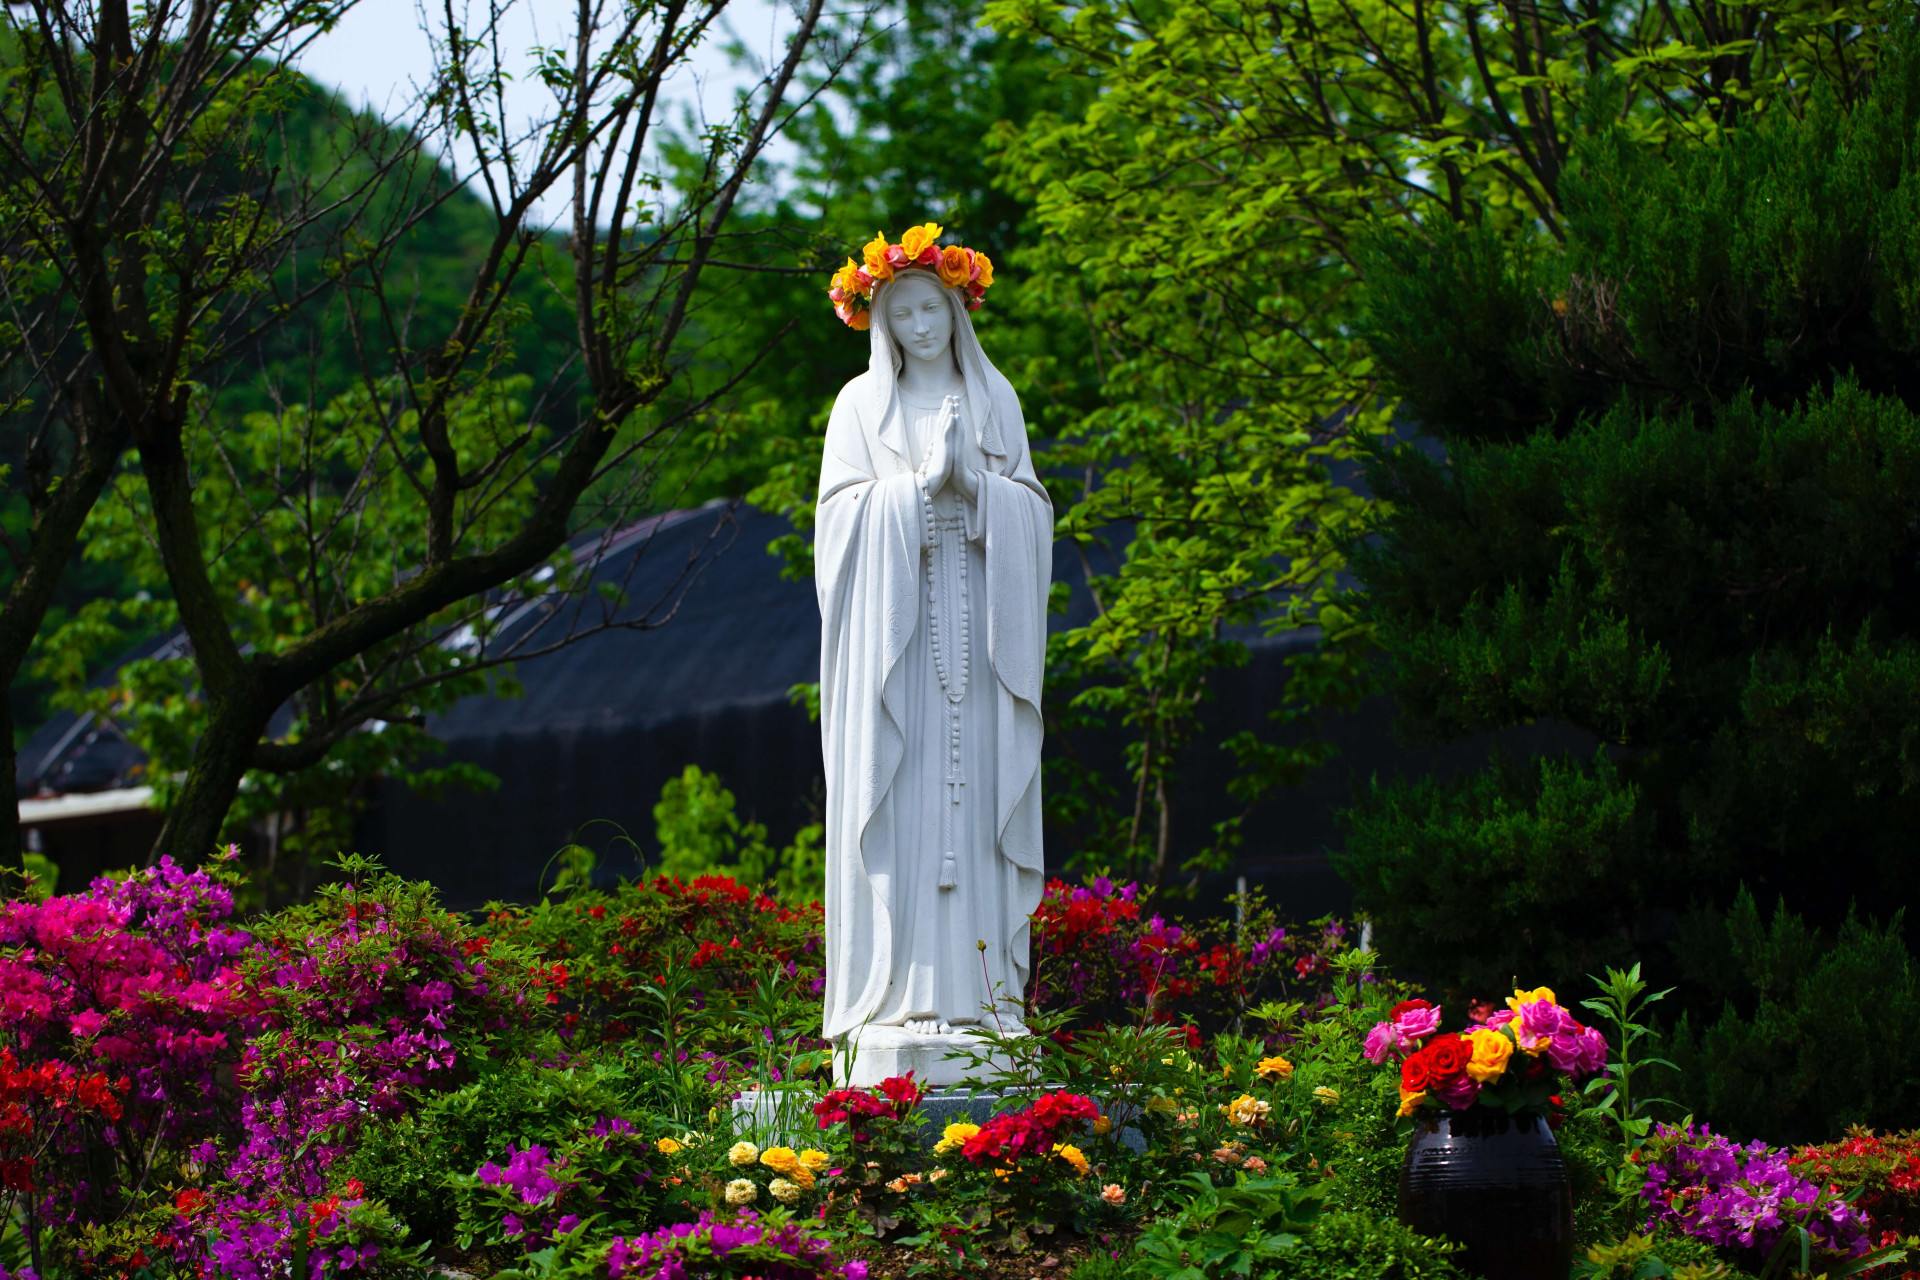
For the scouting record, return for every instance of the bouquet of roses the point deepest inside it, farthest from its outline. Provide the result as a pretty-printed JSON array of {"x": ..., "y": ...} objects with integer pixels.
[{"x": 1510, "y": 1060}]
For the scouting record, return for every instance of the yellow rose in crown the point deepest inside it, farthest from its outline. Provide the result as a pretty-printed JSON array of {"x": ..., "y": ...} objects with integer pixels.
[
  {"x": 917, "y": 245},
  {"x": 875, "y": 253}
]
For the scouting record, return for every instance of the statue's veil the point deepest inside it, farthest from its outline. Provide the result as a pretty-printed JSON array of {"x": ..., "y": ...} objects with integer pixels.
[{"x": 976, "y": 370}]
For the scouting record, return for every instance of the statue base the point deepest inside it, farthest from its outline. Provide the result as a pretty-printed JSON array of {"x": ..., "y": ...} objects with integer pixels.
[
  {"x": 787, "y": 1119},
  {"x": 880, "y": 1053}
]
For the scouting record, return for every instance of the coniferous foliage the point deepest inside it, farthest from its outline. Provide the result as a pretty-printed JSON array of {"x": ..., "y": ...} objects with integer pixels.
[{"x": 1677, "y": 505}]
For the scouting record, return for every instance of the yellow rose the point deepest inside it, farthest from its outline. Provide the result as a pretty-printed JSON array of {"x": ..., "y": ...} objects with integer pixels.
[
  {"x": 918, "y": 240},
  {"x": 1275, "y": 1069},
  {"x": 1072, "y": 1155},
  {"x": 780, "y": 1159},
  {"x": 955, "y": 1135},
  {"x": 1327, "y": 1095},
  {"x": 875, "y": 252},
  {"x": 802, "y": 1175},
  {"x": 815, "y": 1160},
  {"x": 1246, "y": 1111},
  {"x": 955, "y": 266},
  {"x": 667, "y": 1147},
  {"x": 1520, "y": 997},
  {"x": 1102, "y": 1126},
  {"x": 1410, "y": 1100},
  {"x": 1491, "y": 1050}
]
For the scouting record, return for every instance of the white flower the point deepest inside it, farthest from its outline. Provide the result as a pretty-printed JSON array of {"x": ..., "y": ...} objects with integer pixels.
[
  {"x": 743, "y": 1154},
  {"x": 741, "y": 1191},
  {"x": 783, "y": 1191}
]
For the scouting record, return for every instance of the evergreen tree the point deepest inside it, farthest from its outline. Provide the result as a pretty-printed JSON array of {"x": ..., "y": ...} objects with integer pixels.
[{"x": 1676, "y": 504}]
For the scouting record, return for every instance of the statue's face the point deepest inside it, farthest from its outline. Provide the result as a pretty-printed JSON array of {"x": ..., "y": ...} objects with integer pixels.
[{"x": 919, "y": 315}]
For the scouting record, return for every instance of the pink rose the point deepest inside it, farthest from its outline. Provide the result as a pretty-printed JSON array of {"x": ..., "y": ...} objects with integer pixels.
[
  {"x": 1459, "y": 1093},
  {"x": 1381, "y": 1042},
  {"x": 1418, "y": 1024},
  {"x": 1542, "y": 1020},
  {"x": 1580, "y": 1051}
]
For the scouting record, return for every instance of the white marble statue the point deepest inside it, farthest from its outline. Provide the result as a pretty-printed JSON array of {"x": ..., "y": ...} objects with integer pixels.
[{"x": 933, "y": 550}]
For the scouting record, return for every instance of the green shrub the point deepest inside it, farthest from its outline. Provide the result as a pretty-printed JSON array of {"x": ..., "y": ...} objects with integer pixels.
[
  {"x": 1360, "y": 1245},
  {"x": 1815, "y": 1032},
  {"x": 410, "y": 1162}
]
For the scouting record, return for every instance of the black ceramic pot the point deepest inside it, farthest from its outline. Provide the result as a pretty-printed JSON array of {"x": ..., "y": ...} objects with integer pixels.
[{"x": 1496, "y": 1184}]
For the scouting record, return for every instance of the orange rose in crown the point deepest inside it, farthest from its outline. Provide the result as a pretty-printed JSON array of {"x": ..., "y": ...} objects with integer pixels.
[{"x": 852, "y": 289}]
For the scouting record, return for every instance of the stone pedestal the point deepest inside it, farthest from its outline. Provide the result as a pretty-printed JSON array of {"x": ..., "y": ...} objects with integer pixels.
[
  {"x": 880, "y": 1053},
  {"x": 763, "y": 1114}
]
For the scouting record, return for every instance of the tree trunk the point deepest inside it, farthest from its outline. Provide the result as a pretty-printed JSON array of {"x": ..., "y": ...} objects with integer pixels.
[
  {"x": 11, "y": 858},
  {"x": 220, "y": 759},
  {"x": 101, "y": 438}
]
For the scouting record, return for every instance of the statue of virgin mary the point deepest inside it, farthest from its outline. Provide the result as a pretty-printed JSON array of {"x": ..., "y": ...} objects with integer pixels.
[{"x": 933, "y": 550}]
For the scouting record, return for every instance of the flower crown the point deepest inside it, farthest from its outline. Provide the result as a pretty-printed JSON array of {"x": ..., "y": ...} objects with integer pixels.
[{"x": 852, "y": 289}]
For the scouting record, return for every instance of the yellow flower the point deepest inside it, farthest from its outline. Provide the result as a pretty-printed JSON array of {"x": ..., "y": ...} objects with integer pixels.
[
  {"x": 783, "y": 1191},
  {"x": 779, "y": 1159},
  {"x": 955, "y": 1135},
  {"x": 742, "y": 1154},
  {"x": 846, "y": 282},
  {"x": 860, "y": 320},
  {"x": 955, "y": 266},
  {"x": 1326, "y": 1095},
  {"x": 1102, "y": 1126},
  {"x": 815, "y": 1160},
  {"x": 1163, "y": 1105},
  {"x": 1410, "y": 1100},
  {"x": 875, "y": 253},
  {"x": 1072, "y": 1155},
  {"x": 741, "y": 1191},
  {"x": 1275, "y": 1069},
  {"x": 917, "y": 240},
  {"x": 1246, "y": 1111},
  {"x": 1520, "y": 997},
  {"x": 1491, "y": 1049},
  {"x": 668, "y": 1147}
]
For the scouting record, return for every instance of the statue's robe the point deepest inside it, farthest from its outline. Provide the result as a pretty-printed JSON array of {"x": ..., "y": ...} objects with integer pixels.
[{"x": 903, "y": 919}]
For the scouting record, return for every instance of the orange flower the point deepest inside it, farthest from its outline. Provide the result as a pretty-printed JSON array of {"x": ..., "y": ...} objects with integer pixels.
[
  {"x": 982, "y": 269},
  {"x": 875, "y": 252},
  {"x": 955, "y": 266},
  {"x": 860, "y": 320}
]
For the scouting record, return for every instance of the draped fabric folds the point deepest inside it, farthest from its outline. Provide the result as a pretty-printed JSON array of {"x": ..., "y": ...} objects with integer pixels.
[{"x": 902, "y": 935}]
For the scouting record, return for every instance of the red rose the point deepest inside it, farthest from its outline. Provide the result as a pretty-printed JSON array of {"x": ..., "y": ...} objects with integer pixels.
[
  {"x": 1416, "y": 1073},
  {"x": 1448, "y": 1057},
  {"x": 1408, "y": 1006}
]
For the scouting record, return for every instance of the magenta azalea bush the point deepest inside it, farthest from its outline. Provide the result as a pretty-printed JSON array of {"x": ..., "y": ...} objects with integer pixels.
[
  {"x": 1746, "y": 1197},
  {"x": 773, "y": 1247}
]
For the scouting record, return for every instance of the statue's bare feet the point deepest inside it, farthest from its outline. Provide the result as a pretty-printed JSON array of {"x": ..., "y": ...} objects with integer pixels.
[{"x": 928, "y": 1027}]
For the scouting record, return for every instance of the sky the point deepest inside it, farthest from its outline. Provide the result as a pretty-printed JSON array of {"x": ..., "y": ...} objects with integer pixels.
[{"x": 378, "y": 56}]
